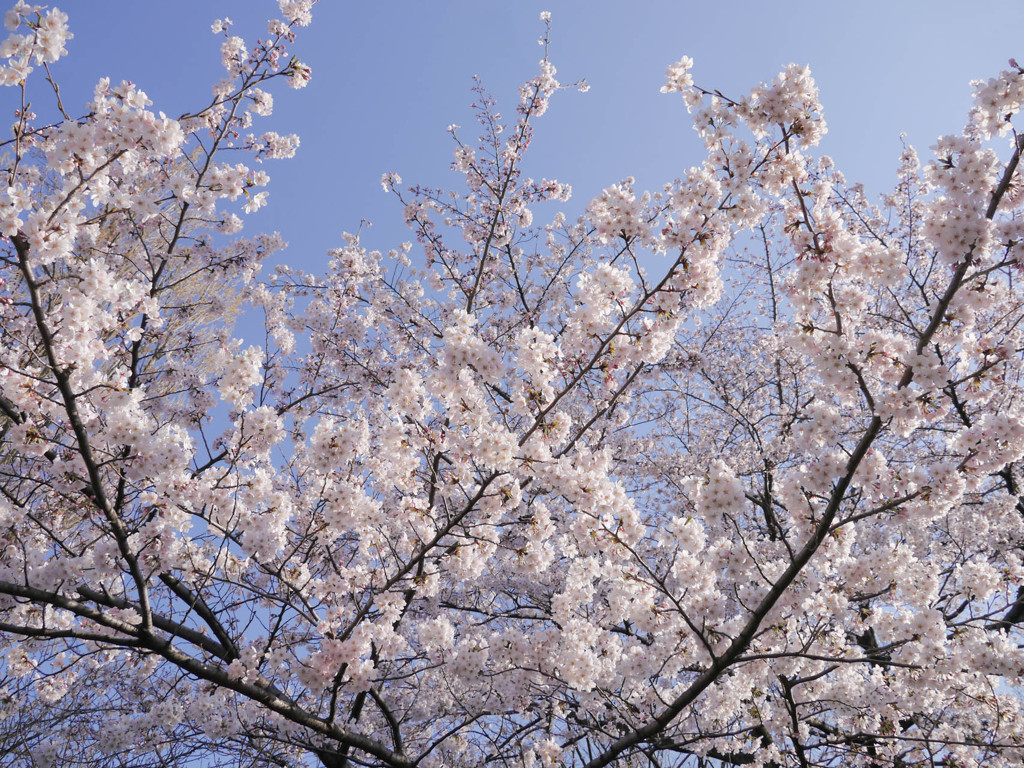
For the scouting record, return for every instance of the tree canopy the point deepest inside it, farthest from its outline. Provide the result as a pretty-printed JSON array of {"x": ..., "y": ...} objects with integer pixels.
[{"x": 726, "y": 474}]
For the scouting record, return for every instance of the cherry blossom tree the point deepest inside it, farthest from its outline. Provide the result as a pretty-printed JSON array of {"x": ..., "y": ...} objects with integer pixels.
[{"x": 727, "y": 474}]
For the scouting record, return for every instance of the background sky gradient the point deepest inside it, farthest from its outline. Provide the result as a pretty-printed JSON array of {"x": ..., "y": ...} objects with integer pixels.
[{"x": 389, "y": 76}]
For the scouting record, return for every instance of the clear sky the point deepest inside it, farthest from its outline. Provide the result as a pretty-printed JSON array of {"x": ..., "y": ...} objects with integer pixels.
[{"x": 390, "y": 75}]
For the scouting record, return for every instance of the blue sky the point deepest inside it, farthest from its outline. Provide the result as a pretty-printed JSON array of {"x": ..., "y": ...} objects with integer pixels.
[{"x": 389, "y": 76}]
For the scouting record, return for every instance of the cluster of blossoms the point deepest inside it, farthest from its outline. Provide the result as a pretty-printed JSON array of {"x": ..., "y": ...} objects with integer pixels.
[
  {"x": 678, "y": 77},
  {"x": 997, "y": 100},
  {"x": 525, "y": 492},
  {"x": 42, "y": 43},
  {"x": 238, "y": 374},
  {"x": 617, "y": 213}
]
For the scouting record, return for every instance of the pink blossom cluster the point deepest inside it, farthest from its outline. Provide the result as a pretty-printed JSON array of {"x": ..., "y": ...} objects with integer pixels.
[{"x": 42, "y": 43}]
